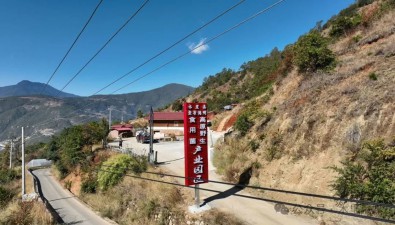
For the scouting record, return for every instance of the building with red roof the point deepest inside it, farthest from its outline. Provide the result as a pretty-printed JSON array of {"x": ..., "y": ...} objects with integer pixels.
[
  {"x": 168, "y": 119},
  {"x": 121, "y": 130}
]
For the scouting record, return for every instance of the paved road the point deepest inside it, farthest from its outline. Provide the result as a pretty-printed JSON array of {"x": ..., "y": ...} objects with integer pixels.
[
  {"x": 171, "y": 157},
  {"x": 68, "y": 207}
]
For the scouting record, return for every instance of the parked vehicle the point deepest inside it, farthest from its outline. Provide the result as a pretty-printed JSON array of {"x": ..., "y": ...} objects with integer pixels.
[
  {"x": 228, "y": 107},
  {"x": 143, "y": 137}
]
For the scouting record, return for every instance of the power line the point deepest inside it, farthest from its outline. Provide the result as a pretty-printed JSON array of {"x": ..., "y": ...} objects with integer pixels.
[
  {"x": 108, "y": 41},
  {"x": 364, "y": 202},
  {"x": 204, "y": 43},
  {"x": 171, "y": 46},
  {"x": 175, "y": 59},
  {"x": 263, "y": 199},
  {"x": 68, "y": 51},
  {"x": 212, "y": 20}
]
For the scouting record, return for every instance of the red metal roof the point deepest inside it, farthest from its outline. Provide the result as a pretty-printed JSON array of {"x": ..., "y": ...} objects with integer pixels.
[
  {"x": 123, "y": 129},
  {"x": 168, "y": 116},
  {"x": 122, "y": 126}
]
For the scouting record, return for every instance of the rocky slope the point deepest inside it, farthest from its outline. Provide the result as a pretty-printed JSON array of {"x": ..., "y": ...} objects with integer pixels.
[{"x": 312, "y": 121}]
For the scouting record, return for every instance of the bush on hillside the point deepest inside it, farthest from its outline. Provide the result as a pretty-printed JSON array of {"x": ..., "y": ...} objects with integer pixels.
[
  {"x": 113, "y": 170},
  {"x": 89, "y": 185},
  {"x": 5, "y": 196},
  {"x": 344, "y": 24},
  {"x": 243, "y": 124},
  {"x": 7, "y": 175},
  {"x": 371, "y": 177},
  {"x": 312, "y": 53}
]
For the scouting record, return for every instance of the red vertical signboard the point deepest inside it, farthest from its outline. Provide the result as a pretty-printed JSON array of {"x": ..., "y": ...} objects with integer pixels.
[{"x": 195, "y": 143}]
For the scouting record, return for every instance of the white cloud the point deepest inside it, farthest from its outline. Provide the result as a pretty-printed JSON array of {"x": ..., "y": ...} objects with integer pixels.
[{"x": 198, "y": 48}]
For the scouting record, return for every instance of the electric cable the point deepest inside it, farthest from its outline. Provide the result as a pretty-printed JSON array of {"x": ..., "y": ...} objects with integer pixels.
[
  {"x": 261, "y": 199},
  {"x": 171, "y": 46},
  {"x": 364, "y": 202},
  {"x": 68, "y": 51},
  {"x": 215, "y": 18},
  {"x": 202, "y": 44},
  {"x": 108, "y": 41}
]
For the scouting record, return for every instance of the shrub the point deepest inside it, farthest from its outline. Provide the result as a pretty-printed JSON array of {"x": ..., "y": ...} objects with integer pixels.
[
  {"x": 7, "y": 175},
  {"x": 371, "y": 177},
  {"x": 312, "y": 53},
  {"x": 63, "y": 171},
  {"x": 5, "y": 196},
  {"x": 89, "y": 185},
  {"x": 344, "y": 24},
  {"x": 361, "y": 3},
  {"x": 243, "y": 124},
  {"x": 114, "y": 169},
  {"x": 254, "y": 145},
  {"x": 372, "y": 76},
  {"x": 357, "y": 38}
]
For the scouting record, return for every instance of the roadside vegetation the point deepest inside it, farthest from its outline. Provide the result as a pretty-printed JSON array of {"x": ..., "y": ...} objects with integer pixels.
[
  {"x": 112, "y": 184},
  {"x": 13, "y": 210},
  {"x": 369, "y": 174}
]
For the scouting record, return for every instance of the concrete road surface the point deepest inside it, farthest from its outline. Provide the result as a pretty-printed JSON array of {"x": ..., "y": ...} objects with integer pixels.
[
  {"x": 171, "y": 157},
  {"x": 68, "y": 207}
]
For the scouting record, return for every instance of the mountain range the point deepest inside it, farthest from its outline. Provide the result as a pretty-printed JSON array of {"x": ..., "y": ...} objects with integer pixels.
[
  {"x": 43, "y": 116},
  {"x": 25, "y": 88}
]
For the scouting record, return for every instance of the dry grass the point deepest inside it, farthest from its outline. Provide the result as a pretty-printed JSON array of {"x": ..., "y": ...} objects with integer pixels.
[
  {"x": 18, "y": 212},
  {"x": 135, "y": 201},
  {"x": 29, "y": 213},
  {"x": 232, "y": 158},
  {"x": 217, "y": 217},
  {"x": 29, "y": 183}
]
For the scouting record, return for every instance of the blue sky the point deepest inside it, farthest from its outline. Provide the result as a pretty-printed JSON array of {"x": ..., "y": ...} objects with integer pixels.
[{"x": 35, "y": 35}]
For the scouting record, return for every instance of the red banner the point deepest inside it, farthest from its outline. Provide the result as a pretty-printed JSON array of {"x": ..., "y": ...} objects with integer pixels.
[{"x": 195, "y": 143}]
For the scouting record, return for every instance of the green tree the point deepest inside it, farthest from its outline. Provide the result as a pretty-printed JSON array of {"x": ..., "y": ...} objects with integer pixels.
[
  {"x": 312, "y": 53},
  {"x": 140, "y": 114},
  {"x": 177, "y": 106},
  {"x": 70, "y": 144}
]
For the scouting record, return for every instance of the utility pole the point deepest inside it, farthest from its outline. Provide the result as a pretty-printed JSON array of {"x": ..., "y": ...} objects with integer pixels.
[
  {"x": 151, "y": 131},
  {"x": 23, "y": 163},
  {"x": 109, "y": 119},
  {"x": 12, "y": 145}
]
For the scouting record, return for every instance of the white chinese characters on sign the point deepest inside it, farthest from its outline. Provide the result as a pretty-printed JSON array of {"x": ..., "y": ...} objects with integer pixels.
[{"x": 195, "y": 115}]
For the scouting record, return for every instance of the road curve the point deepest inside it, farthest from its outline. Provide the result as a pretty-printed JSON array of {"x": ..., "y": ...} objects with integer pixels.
[{"x": 66, "y": 205}]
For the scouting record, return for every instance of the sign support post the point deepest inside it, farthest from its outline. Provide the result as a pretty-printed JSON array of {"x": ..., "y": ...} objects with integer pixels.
[{"x": 197, "y": 196}]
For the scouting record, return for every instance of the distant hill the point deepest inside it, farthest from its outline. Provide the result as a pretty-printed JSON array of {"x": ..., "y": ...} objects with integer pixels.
[
  {"x": 43, "y": 115},
  {"x": 27, "y": 88}
]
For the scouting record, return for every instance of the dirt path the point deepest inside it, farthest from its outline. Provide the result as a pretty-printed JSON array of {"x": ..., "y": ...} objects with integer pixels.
[{"x": 171, "y": 157}]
